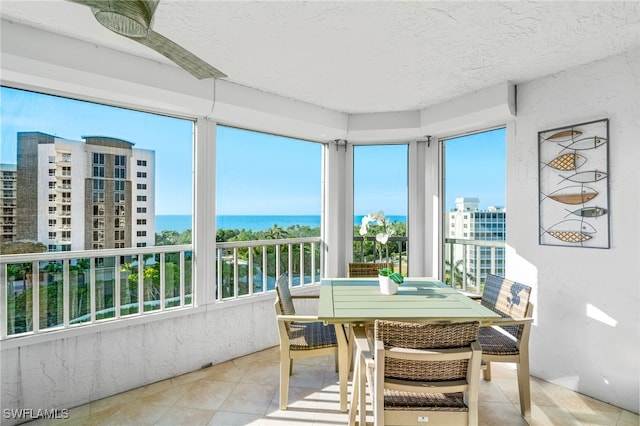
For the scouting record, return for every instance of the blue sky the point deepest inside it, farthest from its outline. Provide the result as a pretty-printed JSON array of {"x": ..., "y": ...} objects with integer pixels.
[{"x": 257, "y": 173}]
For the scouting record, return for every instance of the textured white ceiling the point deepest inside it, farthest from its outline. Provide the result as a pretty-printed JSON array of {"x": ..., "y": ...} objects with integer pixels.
[{"x": 359, "y": 57}]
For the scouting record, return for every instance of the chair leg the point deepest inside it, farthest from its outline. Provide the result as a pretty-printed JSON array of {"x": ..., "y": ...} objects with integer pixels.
[
  {"x": 355, "y": 395},
  {"x": 486, "y": 372},
  {"x": 524, "y": 387},
  {"x": 290, "y": 367},
  {"x": 285, "y": 371}
]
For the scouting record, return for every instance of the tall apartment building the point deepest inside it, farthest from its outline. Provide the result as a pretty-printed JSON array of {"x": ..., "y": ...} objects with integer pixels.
[
  {"x": 84, "y": 195},
  {"x": 8, "y": 202},
  {"x": 467, "y": 222}
]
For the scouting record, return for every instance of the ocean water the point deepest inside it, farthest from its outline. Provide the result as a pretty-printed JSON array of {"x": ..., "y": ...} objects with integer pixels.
[{"x": 255, "y": 223}]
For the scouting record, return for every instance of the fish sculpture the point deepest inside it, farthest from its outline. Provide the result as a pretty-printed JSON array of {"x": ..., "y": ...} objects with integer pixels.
[
  {"x": 564, "y": 136},
  {"x": 575, "y": 194},
  {"x": 586, "y": 176},
  {"x": 589, "y": 211},
  {"x": 567, "y": 162},
  {"x": 571, "y": 231},
  {"x": 585, "y": 144}
]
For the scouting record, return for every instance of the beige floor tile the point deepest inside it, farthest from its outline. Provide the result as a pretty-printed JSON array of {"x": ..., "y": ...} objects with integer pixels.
[
  {"x": 293, "y": 415},
  {"x": 249, "y": 398},
  {"x": 245, "y": 391},
  {"x": 597, "y": 418},
  {"x": 206, "y": 395},
  {"x": 505, "y": 370},
  {"x": 114, "y": 401},
  {"x": 574, "y": 401},
  {"x": 308, "y": 376},
  {"x": 551, "y": 416},
  {"x": 499, "y": 414},
  {"x": 181, "y": 416},
  {"x": 224, "y": 372},
  {"x": 190, "y": 377},
  {"x": 152, "y": 388},
  {"x": 133, "y": 414},
  {"x": 168, "y": 396},
  {"x": 490, "y": 391},
  {"x": 262, "y": 372},
  {"x": 225, "y": 418},
  {"x": 628, "y": 418}
]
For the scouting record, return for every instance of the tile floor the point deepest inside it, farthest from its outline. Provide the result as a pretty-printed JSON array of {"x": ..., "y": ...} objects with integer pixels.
[{"x": 244, "y": 391}]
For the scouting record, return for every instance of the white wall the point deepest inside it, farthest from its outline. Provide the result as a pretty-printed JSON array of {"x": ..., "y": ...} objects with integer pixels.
[
  {"x": 71, "y": 369},
  {"x": 586, "y": 334}
]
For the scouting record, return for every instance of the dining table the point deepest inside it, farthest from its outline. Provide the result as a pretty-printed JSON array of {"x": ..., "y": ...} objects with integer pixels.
[{"x": 358, "y": 302}]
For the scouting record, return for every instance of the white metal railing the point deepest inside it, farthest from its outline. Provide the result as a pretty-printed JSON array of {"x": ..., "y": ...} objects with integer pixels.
[
  {"x": 244, "y": 268},
  {"x": 398, "y": 254},
  {"x": 467, "y": 262},
  {"x": 50, "y": 291},
  {"x": 60, "y": 290}
]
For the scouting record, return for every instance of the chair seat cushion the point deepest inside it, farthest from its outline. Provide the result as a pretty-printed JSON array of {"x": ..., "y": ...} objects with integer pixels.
[
  {"x": 494, "y": 342},
  {"x": 396, "y": 400},
  {"x": 312, "y": 335}
]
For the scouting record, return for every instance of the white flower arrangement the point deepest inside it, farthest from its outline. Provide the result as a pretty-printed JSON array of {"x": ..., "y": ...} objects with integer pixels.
[{"x": 386, "y": 231}]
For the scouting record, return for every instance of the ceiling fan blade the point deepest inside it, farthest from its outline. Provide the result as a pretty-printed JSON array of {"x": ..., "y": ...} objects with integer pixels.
[
  {"x": 132, "y": 19},
  {"x": 181, "y": 56}
]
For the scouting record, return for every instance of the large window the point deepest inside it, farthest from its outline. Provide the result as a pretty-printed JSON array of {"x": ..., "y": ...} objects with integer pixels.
[
  {"x": 87, "y": 203},
  {"x": 474, "y": 212},
  {"x": 37, "y": 126},
  {"x": 267, "y": 187},
  {"x": 380, "y": 174}
]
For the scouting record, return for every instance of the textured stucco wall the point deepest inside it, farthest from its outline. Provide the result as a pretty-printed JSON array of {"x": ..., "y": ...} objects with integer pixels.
[
  {"x": 586, "y": 334},
  {"x": 70, "y": 371}
]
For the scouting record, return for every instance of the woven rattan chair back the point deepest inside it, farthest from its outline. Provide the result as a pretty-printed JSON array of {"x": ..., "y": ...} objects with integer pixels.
[
  {"x": 422, "y": 372},
  {"x": 425, "y": 336},
  {"x": 507, "y": 298},
  {"x": 365, "y": 270}
]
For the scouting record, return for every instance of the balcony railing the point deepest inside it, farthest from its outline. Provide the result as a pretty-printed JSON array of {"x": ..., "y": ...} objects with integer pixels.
[
  {"x": 252, "y": 267},
  {"x": 61, "y": 290},
  {"x": 467, "y": 262},
  {"x": 397, "y": 252}
]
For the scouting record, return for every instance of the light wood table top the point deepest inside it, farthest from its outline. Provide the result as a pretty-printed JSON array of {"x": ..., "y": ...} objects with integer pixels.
[{"x": 359, "y": 300}]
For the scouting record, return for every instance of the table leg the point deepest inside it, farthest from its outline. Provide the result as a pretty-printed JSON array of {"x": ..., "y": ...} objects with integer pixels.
[{"x": 343, "y": 365}]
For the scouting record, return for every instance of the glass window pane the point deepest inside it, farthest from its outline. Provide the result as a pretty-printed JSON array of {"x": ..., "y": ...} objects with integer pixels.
[
  {"x": 276, "y": 193},
  {"x": 474, "y": 217},
  {"x": 104, "y": 287},
  {"x": 40, "y": 128},
  {"x": 380, "y": 184},
  {"x": 79, "y": 294}
]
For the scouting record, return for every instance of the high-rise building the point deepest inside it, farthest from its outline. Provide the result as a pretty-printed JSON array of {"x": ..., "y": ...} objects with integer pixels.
[
  {"x": 468, "y": 222},
  {"x": 8, "y": 202},
  {"x": 74, "y": 195}
]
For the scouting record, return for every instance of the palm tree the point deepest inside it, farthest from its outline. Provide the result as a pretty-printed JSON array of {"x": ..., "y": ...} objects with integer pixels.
[{"x": 276, "y": 233}]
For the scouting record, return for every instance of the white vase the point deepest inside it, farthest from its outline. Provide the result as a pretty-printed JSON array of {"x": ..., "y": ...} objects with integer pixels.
[{"x": 387, "y": 286}]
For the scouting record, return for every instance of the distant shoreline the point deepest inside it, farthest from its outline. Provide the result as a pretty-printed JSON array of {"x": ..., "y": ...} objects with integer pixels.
[{"x": 181, "y": 223}]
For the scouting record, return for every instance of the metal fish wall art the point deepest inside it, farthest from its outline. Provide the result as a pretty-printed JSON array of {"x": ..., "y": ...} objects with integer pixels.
[
  {"x": 585, "y": 144},
  {"x": 567, "y": 162},
  {"x": 572, "y": 231},
  {"x": 575, "y": 194},
  {"x": 586, "y": 176},
  {"x": 589, "y": 211},
  {"x": 564, "y": 136}
]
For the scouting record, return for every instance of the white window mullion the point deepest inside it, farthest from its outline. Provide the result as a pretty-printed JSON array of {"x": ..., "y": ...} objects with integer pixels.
[{"x": 204, "y": 235}]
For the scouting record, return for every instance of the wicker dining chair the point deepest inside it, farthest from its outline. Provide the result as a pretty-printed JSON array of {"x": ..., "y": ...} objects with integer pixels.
[
  {"x": 508, "y": 339},
  {"x": 423, "y": 372},
  {"x": 364, "y": 270},
  {"x": 301, "y": 336}
]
